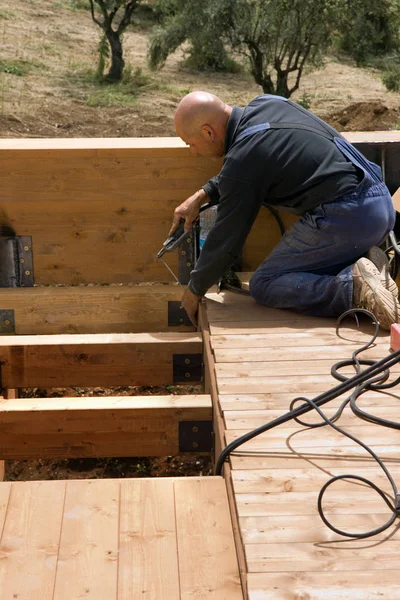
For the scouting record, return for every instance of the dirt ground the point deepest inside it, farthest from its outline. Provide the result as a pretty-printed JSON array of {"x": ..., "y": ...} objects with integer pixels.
[
  {"x": 55, "y": 48},
  {"x": 47, "y": 57},
  {"x": 94, "y": 468}
]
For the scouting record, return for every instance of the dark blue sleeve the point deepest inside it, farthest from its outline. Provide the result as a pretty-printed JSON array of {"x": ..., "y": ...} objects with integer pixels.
[
  {"x": 212, "y": 190},
  {"x": 237, "y": 210}
]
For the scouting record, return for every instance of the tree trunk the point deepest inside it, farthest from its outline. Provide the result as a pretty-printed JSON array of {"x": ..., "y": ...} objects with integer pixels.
[{"x": 117, "y": 62}]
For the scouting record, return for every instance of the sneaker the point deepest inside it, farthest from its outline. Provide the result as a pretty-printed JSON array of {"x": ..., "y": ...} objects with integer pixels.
[
  {"x": 369, "y": 293},
  {"x": 379, "y": 258}
]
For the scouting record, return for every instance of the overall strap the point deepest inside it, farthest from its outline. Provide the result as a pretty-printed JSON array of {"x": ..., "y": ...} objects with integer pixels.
[{"x": 267, "y": 126}]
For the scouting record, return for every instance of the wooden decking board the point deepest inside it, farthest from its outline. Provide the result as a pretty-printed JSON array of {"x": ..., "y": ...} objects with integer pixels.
[
  {"x": 159, "y": 539},
  {"x": 281, "y": 401},
  {"x": 339, "y": 585},
  {"x": 263, "y": 360}
]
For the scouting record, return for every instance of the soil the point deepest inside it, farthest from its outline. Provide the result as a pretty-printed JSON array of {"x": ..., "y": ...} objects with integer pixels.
[
  {"x": 47, "y": 59},
  {"x": 93, "y": 468}
]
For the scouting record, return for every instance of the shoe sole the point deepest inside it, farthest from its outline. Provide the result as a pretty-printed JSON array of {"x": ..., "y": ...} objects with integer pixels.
[
  {"x": 378, "y": 257},
  {"x": 387, "y": 307}
]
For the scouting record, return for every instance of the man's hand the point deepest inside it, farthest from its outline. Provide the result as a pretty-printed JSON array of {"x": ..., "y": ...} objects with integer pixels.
[
  {"x": 189, "y": 211},
  {"x": 190, "y": 303}
]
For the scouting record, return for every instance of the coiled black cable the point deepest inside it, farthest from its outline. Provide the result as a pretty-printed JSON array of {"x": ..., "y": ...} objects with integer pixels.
[{"x": 372, "y": 378}]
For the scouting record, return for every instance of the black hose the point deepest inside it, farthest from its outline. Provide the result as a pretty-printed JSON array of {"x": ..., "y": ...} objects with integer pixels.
[{"x": 374, "y": 377}]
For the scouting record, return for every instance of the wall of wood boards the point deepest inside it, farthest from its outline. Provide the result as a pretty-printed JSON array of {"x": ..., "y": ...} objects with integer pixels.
[
  {"x": 99, "y": 210},
  {"x": 92, "y": 309}
]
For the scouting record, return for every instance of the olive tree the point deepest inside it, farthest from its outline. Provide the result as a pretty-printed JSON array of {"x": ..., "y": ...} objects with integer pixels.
[
  {"x": 192, "y": 21},
  {"x": 280, "y": 38},
  {"x": 113, "y": 16}
]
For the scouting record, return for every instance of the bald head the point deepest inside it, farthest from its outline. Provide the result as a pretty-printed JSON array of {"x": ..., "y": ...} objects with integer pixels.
[{"x": 203, "y": 117}]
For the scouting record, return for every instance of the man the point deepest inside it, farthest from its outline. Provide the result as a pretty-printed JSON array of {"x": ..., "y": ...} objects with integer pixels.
[{"x": 277, "y": 152}]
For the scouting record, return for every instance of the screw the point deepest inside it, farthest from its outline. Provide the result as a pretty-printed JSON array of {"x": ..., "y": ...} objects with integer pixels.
[
  {"x": 26, "y": 248},
  {"x": 187, "y": 375},
  {"x": 21, "y": 260},
  {"x": 188, "y": 264},
  {"x": 195, "y": 444},
  {"x": 189, "y": 240},
  {"x": 180, "y": 320},
  {"x": 187, "y": 361},
  {"x": 183, "y": 252},
  {"x": 27, "y": 272},
  {"x": 6, "y": 322},
  {"x": 195, "y": 429}
]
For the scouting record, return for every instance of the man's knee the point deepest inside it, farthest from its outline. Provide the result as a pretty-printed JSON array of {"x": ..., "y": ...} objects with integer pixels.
[{"x": 258, "y": 286}]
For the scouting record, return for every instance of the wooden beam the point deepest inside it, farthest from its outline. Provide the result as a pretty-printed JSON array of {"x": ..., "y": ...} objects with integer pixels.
[
  {"x": 101, "y": 426},
  {"x": 100, "y": 360},
  {"x": 220, "y": 442},
  {"x": 92, "y": 309},
  {"x": 98, "y": 212}
]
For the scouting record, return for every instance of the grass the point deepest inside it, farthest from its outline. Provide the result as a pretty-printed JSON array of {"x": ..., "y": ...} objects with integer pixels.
[
  {"x": 6, "y": 14},
  {"x": 84, "y": 84},
  {"x": 20, "y": 67},
  {"x": 74, "y": 5}
]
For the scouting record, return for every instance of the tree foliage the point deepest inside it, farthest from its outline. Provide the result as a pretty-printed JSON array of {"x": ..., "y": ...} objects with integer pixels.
[
  {"x": 371, "y": 29},
  {"x": 113, "y": 16},
  {"x": 280, "y": 38},
  {"x": 193, "y": 21}
]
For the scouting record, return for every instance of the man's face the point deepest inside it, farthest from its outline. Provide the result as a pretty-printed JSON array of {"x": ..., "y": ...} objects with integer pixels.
[{"x": 200, "y": 144}]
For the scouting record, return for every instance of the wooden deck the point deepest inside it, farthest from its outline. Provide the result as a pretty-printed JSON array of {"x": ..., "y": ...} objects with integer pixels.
[
  {"x": 263, "y": 359},
  {"x": 128, "y": 539}
]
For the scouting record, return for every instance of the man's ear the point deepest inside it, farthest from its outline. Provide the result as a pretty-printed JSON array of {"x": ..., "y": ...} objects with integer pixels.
[{"x": 208, "y": 133}]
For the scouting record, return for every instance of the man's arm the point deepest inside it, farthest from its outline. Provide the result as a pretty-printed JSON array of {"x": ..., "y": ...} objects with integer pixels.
[
  {"x": 238, "y": 208},
  {"x": 189, "y": 210}
]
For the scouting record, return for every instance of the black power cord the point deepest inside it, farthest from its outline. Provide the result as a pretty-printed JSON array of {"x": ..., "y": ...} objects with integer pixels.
[{"x": 374, "y": 377}]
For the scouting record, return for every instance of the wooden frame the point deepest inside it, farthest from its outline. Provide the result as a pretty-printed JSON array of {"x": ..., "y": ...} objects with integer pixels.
[
  {"x": 97, "y": 427},
  {"x": 99, "y": 360}
]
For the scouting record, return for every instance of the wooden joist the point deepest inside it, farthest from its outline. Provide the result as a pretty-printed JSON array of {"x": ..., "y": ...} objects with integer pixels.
[
  {"x": 92, "y": 309},
  {"x": 104, "y": 426},
  {"x": 100, "y": 360}
]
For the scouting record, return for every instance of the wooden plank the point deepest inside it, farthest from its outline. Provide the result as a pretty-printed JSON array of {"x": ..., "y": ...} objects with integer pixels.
[
  {"x": 244, "y": 420},
  {"x": 94, "y": 360},
  {"x": 297, "y": 384},
  {"x": 219, "y": 442},
  {"x": 29, "y": 543},
  {"x": 287, "y": 367},
  {"x": 326, "y": 457},
  {"x": 88, "y": 555},
  {"x": 372, "y": 435},
  {"x": 305, "y": 480},
  {"x": 5, "y": 491},
  {"x": 311, "y": 528},
  {"x": 338, "y": 585},
  {"x": 299, "y": 353},
  {"x": 362, "y": 501},
  {"x": 288, "y": 338},
  {"x": 307, "y": 557},
  {"x": 148, "y": 559},
  {"x": 90, "y": 207},
  {"x": 281, "y": 401},
  {"x": 207, "y": 559},
  {"x": 107, "y": 426},
  {"x": 91, "y": 309}
]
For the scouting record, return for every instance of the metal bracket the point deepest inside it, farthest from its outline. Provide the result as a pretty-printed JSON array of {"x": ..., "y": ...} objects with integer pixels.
[
  {"x": 188, "y": 253},
  {"x": 177, "y": 315},
  {"x": 195, "y": 436},
  {"x": 187, "y": 368},
  {"x": 16, "y": 261},
  {"x": 7, "y": 322}
]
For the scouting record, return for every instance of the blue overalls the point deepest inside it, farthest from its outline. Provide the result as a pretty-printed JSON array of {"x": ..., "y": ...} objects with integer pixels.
[{"x": 310, "y": 270}]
